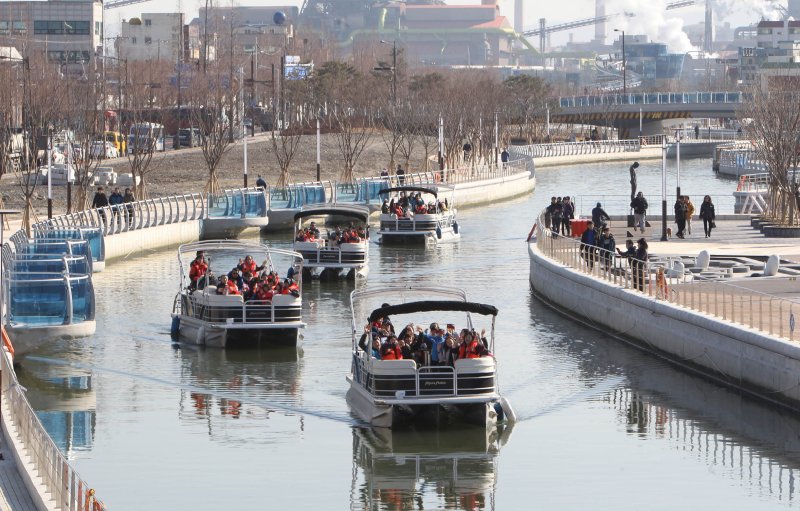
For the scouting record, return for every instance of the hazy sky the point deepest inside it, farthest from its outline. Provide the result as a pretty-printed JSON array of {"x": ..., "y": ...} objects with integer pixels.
[{"x": 651, "y": 17}]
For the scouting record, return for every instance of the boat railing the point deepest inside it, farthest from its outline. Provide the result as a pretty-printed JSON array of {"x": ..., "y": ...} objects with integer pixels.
[
  {"x": 240, "y": 312},
  {"x": 411, "y": 224},
  {"x": 40, "y": 299},
  {"x": 333, "y": 254},
  {"x": 133, "y": 216},
  {"x": 59, "y": 479},
  {"x": 405, "y": 379},
  {"x": 742, "y": 303},
  {"x": 754, "y": 182}
]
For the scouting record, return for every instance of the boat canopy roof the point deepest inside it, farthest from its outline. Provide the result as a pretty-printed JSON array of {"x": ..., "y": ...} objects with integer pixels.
[
  {"x": 410, "y": 189},
  {"x": 434, "y": 305},
  {"x": 361, "y": 213}
]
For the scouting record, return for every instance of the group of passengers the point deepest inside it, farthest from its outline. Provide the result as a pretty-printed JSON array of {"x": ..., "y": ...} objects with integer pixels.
[
  {"x": 413, "y": 204},
  {"x": 350, "y": 234},
  {"x": 558, "y": 214},
  {"x": 247, "y": 278},
  {"x": 432, "y": 346}
]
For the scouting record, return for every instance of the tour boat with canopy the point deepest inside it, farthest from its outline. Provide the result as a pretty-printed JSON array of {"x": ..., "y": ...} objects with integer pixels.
[
  {"x": 387, "y": 391},
  {"x": 339, "y": 246},
  {"x": 415, "y": 214},
  {"x": 217, "y": 307}
]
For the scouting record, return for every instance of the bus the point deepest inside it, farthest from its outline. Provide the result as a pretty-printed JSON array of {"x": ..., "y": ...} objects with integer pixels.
[
  {"x": 118, "y": 140},
  {"x": 146, "y": 136}
]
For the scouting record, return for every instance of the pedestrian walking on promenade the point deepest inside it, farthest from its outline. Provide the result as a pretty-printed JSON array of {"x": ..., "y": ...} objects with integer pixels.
[
  {"x": 680, "y": 216},
  {"x": 707, "y": 214},
  {"x": 639, "y": 206}
]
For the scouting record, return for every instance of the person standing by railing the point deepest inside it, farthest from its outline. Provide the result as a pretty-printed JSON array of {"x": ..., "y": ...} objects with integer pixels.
[
  {"x": 639, "y": 206},
  {"x": 567, "y": 214},
  {"x": 115, "y": 201},
  {"x": 589, "y": 245},
  {"x": 639, "y": 264},
  {"x": 99, "y": 202},
  {"x": 128, "y": 199}
]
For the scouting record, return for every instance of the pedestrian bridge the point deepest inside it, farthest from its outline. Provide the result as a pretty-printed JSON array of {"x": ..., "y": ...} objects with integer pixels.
[{"x": 616, "y": 109}]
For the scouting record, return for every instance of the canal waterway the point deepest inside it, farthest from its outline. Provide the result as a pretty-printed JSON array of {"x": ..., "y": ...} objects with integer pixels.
[{"x": 152, "y": 425}]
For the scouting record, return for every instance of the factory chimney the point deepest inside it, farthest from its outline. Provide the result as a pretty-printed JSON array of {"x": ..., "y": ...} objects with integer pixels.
[
  {"x": 518, "y": 17},
  {"x": 708, "y": 37},
  {"x": 600, "y": 27}
]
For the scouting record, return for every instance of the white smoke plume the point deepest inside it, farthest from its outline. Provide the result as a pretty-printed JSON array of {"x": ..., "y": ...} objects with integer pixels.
[{"x": 652, "y": 18}]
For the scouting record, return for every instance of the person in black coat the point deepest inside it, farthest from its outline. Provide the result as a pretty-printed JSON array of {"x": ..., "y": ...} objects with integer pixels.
[
  {"x": 99, "y": 202},
  {"x": 708, "y": 215}
]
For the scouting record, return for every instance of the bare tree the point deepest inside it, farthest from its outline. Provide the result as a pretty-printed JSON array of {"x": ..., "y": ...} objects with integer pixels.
[
  {"x": 209, "y": 97},
  {"x": 143, "y": 142},
  {"x": 87, "y": 122},
  {"x": 775, "y": 114},
  {"x": 392, "y": 121}
]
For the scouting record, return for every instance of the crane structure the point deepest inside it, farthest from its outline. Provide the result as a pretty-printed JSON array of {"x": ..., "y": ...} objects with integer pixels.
[
  {"x": 679, "y": 4},
  {"x": 121, "y": 3},
  {"x": 543, "y": 31}
]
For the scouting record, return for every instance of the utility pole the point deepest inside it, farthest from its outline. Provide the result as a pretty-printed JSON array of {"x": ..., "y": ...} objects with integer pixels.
[{"x": 394, "y": 72}]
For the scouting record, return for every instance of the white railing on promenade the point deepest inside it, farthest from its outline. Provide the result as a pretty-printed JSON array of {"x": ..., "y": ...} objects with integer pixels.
[
  {"x": 576, "y": 148},
  {"x": 60, "y": 481},
  {"x": 753, "y": 183},
  {"x": 134, "y": 216},
  {"x": 730, "y": 302}
]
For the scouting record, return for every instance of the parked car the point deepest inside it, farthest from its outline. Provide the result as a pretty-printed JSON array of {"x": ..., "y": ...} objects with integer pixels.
[
  {"x": 103, "y": 150},
  {"x": 189, "y": 137}
]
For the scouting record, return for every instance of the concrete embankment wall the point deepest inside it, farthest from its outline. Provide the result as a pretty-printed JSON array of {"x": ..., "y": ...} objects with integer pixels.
[
  {"x": 480, "y": 193},
  {"x": 732, "y": 354},
  {"x": 135, "y": 243}
]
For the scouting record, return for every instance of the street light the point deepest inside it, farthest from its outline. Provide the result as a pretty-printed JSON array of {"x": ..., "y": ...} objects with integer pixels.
[
  {"x": 394, "y": 70},
  {"x": 663, "y": 188},
  {"x": 624, "y": 81}
]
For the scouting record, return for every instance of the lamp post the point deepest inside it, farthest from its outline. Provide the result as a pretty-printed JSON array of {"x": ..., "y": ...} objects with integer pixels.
[
  {"x": 393, "y": 70},
  {"x": 663, "y": 189},
  {"x": 678, "y": 136},
  {"x": 624, "y": 80}
]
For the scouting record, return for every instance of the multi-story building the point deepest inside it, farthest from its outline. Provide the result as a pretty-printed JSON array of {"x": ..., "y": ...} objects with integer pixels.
[
  {"x": 153, "y": 36},
  {"x": 68, "y": 31},
  {"x": 775, "y": 52}
]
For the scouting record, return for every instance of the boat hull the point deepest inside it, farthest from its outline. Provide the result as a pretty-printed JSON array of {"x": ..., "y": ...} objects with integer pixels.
[
  {"x": 387, "y": 414},
  {"x": 217, "y": 335},
  {"x": 419, "y": 238},
  {"x": 27, "y": 339}
]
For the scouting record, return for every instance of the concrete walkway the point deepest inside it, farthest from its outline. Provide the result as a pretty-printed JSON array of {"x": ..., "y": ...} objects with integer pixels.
[{"x": 14, "y": 494}]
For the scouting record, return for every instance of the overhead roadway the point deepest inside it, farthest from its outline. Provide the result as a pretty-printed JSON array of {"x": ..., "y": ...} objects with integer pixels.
[{"x": 678, "y": 5}]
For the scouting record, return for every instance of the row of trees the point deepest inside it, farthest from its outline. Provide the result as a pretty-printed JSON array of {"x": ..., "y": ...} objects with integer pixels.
[{"x": 356, "y": 106}]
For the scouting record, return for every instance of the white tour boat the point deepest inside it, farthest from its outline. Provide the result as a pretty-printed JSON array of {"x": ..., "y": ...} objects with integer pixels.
[
  {"x": 389, "y": 392},
  {"x": 333, "y": 239},
  {"x": 414, "y": 214},
  {"x": 212, "y": 311}
]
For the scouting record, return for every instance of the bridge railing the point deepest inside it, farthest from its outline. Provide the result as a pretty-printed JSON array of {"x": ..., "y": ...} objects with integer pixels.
[
  {"x": 59, "y": 480},
  {"x": 653, "y": 98},
  {"x": 577, "y": 148}
]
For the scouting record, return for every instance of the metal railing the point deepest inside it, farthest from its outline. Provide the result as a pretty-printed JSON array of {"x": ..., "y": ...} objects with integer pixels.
[
  {"x": 577, "y": 148},
  {"x": 753, "y": 183},
  {"x": 238, "y": 203},
  {"x": 249, "y": 312},
  {"x": 134, "y": 216},
  {"x": 615, "y": 204},
  {"x": 746, "y": 159},
  {"x": 60, "y": 481},
  {"x": 435, "y": 381},
  {"x": 654, "y": 98},
  {"x": 735, "y": 303}
]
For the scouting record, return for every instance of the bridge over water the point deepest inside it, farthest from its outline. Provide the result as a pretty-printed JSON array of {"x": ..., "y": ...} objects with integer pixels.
[{"x": 628, "y": 111}]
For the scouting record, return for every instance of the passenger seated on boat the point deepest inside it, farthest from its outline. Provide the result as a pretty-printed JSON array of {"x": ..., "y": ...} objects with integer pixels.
[
  {"x": 198, "y": 269},
  {"x": 227, "y": 286},
  {"x": 312, "y": 229},
  {"x": 443, "y": 205},
  {"x": 390, "y": 350},
  {"x": 249, "y": 265},
  {"x": 450, "y": 349},
  {"x": 376, "y": 348},
  {"x": 472, "y": 347},
  {"x": 421, "y": 208},
  {"x": 385, "y": 207},
  {"x": 236, "y": 278},
  {"x": 264, "y": 292}
]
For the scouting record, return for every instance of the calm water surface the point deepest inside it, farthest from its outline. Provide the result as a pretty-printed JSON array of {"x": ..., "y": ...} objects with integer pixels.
[{"x": 602, "y": 425}]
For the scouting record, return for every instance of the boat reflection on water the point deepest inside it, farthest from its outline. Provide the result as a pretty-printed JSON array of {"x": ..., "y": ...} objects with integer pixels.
[
  {"x": 431, "y": 469},
  {"x": 238, "y": 384},
  {"x": 64, "y": 400}
]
